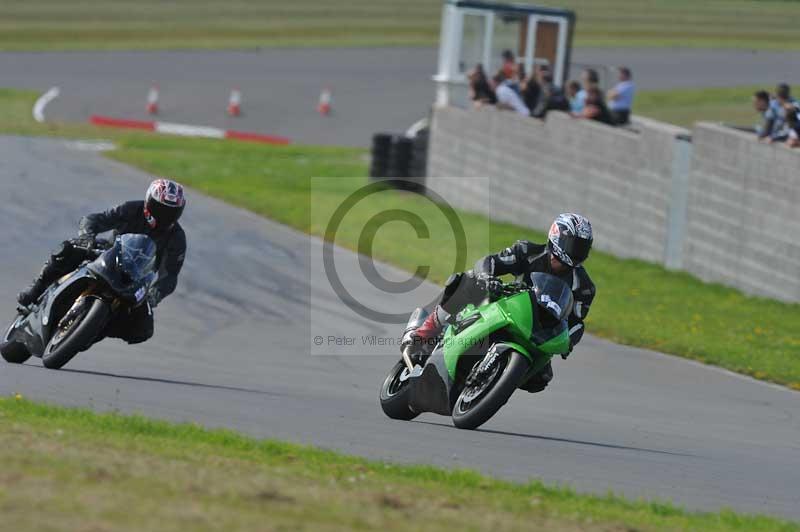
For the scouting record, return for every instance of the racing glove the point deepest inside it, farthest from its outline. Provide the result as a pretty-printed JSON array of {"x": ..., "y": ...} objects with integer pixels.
[
  {"x": 85, "y": 241},
  {"x": 153, "y": 297},
  {"x": 491, "y": 285}
]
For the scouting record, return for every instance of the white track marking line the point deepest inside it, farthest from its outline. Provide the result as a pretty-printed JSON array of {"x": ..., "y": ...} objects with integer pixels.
[
  {"x": 91, "y": 145},
  {"x": 41, "y": 103},
  {"x": 190, "y": 131}
]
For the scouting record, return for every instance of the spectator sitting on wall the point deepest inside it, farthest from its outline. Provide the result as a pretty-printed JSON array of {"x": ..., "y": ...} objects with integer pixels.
[
  {"x": 589, "y": 79},
  {"x": 784, "y": 98},
  {"x": 595, "y": 108},
  {"x": 793, "y": 127},
  {"x": 507, "y": 97},
  {"x": 521, "y": 77},
  {"x": 552, "y": 97},
  {"x": 788, "y": 105},
  {"x": 480, "y": 92},
  {"x": 532, "y": 90},
  {"x": 773, "y": 126},
  {"x": 509, "y": 67},
  {"x": 620, "y": 98},
  {"x": 573, "y": 88}
]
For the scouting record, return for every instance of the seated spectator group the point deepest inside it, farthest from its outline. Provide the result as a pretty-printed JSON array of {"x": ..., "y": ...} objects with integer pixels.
[
  {"x": 780, "y": 116},
  {"x": 536, "y": 94}
]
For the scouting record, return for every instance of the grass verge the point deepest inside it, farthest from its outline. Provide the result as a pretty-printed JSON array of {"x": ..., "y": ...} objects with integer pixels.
[
  {"x": 150, "y": 25},
  {"x": 684, "y": 107},
  {"x": 70, "y": 469},
  {"x": 638, "y": 303}
]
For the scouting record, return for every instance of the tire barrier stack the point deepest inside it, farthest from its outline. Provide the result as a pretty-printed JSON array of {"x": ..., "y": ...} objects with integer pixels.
[
  {"x": 418, "y": 166},
  {"x": 381, "y": 148},
  {"x": 400, "y": 157}
]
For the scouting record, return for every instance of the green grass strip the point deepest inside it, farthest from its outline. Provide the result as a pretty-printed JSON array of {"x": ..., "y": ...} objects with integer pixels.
[
  {"x": 207, "y": 24},
  {"x": 70, "y": 469}
]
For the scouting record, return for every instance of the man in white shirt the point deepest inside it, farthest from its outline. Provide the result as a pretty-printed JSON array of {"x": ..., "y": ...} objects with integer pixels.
[
  {"x": 620, "y": 98},
  {"x": 507, "y": 97}
]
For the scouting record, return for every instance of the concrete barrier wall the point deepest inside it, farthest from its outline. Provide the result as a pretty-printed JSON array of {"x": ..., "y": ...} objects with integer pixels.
[
  {"x": 539, "y": 169},
  {"x": 649, "y": 193},
  {"x": 743, "y": 223}
]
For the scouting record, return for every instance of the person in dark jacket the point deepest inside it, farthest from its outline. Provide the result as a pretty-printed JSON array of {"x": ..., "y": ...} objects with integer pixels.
[
  {"x": 552, "y": 98},
  {"x": 157, "y": 216},
  {"x": 569, "y": 242},
  {"x": 595, "y": 108},
  {"x": 532, "y": 89},
  {"x": 480, "y": 92}
]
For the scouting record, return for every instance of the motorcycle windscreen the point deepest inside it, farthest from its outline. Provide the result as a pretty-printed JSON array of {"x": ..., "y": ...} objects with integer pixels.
[
  {"x": 128, "y": 266},
  {"x": 136, "y": 256},
  {"x": 553, "y": 304}
]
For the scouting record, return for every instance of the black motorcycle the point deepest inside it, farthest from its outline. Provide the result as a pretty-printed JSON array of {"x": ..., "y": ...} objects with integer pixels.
[{"x": 75, "y": 312}]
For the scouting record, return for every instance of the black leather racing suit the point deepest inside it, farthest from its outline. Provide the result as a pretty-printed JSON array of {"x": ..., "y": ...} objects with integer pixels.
[
  {"x": 520, "y": 260},
  {"x": 128, "y": 217},
  {"x": 524, "y": 258}
]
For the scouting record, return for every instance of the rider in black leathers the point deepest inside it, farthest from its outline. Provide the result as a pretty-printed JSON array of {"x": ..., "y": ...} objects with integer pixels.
[
  {"x": 569, "y": 243},
  {"x": 157, "y": 216}
]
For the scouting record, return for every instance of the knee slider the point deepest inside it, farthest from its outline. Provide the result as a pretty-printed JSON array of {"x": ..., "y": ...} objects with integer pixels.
[{"x": 139, "y": 338}]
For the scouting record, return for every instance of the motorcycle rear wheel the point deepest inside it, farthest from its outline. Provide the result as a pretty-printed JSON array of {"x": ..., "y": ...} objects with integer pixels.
[
  {"x": 476, "y": 404},
  {"x": 81, "y": 332},
  {"x": 395, "y": 394}
]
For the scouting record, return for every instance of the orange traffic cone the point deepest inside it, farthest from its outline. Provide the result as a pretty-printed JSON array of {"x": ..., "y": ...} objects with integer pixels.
[
  {"x": 235, "y": 103},
  {"x": 152, "y": 101},
  {"x": 325, "y": 100}
]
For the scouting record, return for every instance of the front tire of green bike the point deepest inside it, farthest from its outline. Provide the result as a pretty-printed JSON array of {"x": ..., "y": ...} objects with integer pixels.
[
  {"x": 395, "y": 394},
  {"x": 475, "y": 406}
]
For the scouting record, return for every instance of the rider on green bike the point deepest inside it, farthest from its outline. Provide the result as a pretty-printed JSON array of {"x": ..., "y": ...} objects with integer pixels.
[{"x": 569, "y": 242}]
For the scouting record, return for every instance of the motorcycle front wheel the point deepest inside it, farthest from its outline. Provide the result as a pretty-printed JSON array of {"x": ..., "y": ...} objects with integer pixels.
[
  {"x": 76, "y": 333},
  {"x": 488, "y": 387},
  {"x": 394, "y": 395}
]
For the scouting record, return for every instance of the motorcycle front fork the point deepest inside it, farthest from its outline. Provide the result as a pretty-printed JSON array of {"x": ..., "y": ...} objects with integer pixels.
[{"x": 407, "y": 358}]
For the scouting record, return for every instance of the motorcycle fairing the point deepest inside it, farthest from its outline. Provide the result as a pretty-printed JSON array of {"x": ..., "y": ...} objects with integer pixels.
[
  {"x": 49, "y": 312},
  {"x": 491, "y": 317},
  {"x": 133, "y": 290},
  {"x": 432, "y": 387}
]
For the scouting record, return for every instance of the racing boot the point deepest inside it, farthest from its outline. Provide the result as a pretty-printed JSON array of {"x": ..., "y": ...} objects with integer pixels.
[
  {"x": 537, "y": 383},
  {"x": 31, "y": 294},
  {"x": 51, "y": 271},
  {"x": 424, "y": 338}
]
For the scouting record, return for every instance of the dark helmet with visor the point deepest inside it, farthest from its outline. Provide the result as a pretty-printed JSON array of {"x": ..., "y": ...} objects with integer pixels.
[{"x": 570, "y": 239}]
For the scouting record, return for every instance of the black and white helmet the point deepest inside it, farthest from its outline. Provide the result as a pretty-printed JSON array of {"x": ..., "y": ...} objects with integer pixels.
[{"x": 570, "y": 238}]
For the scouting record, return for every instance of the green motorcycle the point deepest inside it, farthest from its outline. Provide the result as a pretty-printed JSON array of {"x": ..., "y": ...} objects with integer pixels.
[{"x": 485, "y": 354}]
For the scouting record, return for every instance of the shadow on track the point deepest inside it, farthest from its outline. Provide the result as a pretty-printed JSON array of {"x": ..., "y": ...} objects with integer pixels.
[
  {"x": 563, "y": 440},
  {"x": 166, "y": 381}
]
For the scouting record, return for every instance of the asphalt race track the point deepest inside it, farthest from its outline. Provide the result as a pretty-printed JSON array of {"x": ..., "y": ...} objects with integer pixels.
[
  {"x": 232, "y": 349},
  {"x": 379, "y": 89}
]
